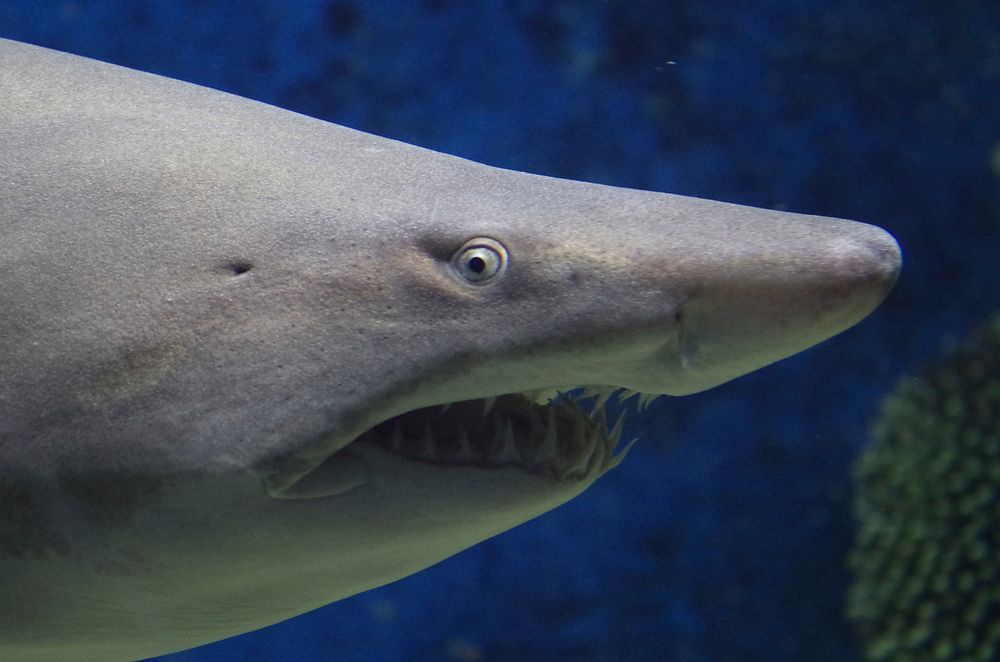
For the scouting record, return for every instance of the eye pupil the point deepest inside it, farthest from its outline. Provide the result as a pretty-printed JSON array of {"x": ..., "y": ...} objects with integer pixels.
[
  {"x": 477, "y": 265},
  {"x": 480, "y": 261}
]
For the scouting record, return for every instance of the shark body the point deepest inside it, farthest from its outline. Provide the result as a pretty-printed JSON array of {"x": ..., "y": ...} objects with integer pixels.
[{"x": 253, "y": 362}]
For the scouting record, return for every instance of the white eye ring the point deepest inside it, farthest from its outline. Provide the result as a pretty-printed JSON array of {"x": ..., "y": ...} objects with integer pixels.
[{"x": 480, "y": 260}]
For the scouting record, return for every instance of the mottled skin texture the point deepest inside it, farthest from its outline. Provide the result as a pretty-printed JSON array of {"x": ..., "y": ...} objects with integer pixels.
[{"x": 203, "y": 296}]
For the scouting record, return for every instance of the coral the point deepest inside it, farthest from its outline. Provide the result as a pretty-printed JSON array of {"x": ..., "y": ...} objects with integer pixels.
[{"x": 927, "y": 555}]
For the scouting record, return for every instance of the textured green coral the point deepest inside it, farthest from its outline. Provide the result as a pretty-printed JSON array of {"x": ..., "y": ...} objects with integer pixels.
[{"x": 926, "y": 560}]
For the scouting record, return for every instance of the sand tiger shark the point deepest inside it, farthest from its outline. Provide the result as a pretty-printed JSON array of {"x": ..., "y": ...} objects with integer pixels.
[{"x": 252, "y": 362}]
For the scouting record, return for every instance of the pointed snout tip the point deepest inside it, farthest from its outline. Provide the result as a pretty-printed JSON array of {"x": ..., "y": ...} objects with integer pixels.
[
  {"x": 879, "y": 259},
  {"x": 866, "y": 261}
]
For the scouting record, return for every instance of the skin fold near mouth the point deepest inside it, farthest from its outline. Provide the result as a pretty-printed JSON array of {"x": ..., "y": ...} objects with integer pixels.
[{"x": 543, "y": 432}]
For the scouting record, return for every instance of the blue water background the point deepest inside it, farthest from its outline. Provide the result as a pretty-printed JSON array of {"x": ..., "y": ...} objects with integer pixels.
[{"x": 723, "y": 536}]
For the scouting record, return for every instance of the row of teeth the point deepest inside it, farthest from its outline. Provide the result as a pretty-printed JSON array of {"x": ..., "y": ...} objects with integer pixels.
[
  {"x": 585, "y": 449},
  {"x": 600, "y": 394}
]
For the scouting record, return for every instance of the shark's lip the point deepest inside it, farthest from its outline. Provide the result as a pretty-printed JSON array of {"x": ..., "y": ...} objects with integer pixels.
[{"x": 560, "y": 434}]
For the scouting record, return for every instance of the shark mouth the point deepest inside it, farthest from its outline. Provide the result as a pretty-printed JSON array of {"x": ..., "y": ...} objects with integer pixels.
[
  {"x": 563, "y": 434},
  {"x": 560, "y": 434}
]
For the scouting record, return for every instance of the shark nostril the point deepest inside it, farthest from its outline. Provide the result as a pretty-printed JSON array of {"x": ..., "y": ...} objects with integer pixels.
[{"x": 239, "y": 267}]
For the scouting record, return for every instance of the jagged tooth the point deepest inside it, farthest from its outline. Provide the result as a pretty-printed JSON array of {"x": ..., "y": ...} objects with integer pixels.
[
  {"x": 488, "y": 405},
  {"x": 625, "y": 394},
  {"x": 598, "y": 458},
  {"x": 597, "y": 434},
  {"x": 601, "y": 420},
  {"x": 538, "y": 396},
  {"x": 602, "y": 400},
  {"x": 615, "y": 435},
  {"x": 549, "y": 450},
  {"x": 577, "y": 466},
  {"x": 577, "y": 409},
  {"x": 647, "y": 399},
  {"x": 591, "y": 392},
  {"x": 545, "y": 396},
  {"x": 616, "y": 459},
  {"x": 396, "y": 440},
  {"x": 598, "y": 414},
  {"x": 445, "y": 407},
  {"x": 508, "y": 449},
  {"x": 465, "y": 453},
  {"x": 578, "y": 446}
]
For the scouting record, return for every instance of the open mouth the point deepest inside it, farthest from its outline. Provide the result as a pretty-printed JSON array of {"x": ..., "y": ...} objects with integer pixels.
[{"x": 562, "y": 433}]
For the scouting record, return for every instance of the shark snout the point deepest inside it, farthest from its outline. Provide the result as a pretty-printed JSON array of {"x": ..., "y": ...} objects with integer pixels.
[
  {"x": 866, "y": 264},
  {"x": 781, "y": 294}
]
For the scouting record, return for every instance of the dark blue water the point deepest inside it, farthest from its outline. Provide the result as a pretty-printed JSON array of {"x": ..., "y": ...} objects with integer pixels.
[{"x": 723, "y": 536}]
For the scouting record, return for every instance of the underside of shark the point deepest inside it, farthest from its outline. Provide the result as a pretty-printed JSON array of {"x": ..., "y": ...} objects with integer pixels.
[{"x": 253, "y": 362}]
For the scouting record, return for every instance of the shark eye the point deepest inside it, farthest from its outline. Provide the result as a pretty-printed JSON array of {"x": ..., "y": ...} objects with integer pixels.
[{"x": 480, "y": 261}]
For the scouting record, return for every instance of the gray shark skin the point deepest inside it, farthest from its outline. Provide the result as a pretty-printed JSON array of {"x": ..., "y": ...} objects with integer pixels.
[{"x": 231, "y": 334}]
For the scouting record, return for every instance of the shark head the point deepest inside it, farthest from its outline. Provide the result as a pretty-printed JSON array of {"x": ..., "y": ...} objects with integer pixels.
[
  {"x": 518, "y": 305},
  {"x": 254, "y": 362},
  {"x": 516, "y": 298}
]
